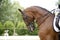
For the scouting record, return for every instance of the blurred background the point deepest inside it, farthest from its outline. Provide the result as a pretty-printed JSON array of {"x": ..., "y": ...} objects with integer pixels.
[{"x": 11, "y": 22}]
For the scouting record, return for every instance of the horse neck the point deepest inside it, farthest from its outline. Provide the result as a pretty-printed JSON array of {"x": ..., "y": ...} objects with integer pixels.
[{"x": 41, "y": 19}]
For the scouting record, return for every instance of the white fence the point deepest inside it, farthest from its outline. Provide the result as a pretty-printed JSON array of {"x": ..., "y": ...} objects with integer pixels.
[{"x": 19, "y": 38}]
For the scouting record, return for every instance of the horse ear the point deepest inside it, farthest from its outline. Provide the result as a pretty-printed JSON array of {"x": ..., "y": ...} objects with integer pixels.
[{"x": 21, "y": 11}]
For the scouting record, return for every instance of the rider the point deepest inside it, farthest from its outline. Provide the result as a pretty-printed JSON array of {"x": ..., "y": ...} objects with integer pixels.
[
  {"x": 56, "y": 11},
  {"x": 56, "y": 22}
]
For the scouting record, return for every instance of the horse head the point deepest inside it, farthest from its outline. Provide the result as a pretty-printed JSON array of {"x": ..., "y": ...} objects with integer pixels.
[{"x": 28, "y": 19}]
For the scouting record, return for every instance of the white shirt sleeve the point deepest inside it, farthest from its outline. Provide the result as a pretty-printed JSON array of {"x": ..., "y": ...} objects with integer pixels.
[
  {"x": 53, "y": 11},
  {"x": 57, "y": 11}
]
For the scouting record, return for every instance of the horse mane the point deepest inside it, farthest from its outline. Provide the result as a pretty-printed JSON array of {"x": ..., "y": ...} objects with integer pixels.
[{"x": 43, "y": 9}]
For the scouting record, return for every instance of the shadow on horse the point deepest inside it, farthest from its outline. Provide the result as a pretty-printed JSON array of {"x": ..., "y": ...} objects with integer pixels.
[{"x": 43, "y": 18}]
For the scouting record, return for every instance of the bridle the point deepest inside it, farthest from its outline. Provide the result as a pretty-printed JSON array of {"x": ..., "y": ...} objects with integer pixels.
[
  {"x": 43, "y": 18},
  {"x": 30, "y": 25},
  {"x": 26, "y": 17}
]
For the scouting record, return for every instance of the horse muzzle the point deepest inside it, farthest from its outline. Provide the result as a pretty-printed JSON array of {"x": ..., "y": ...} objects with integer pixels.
[{"x": 31, "y": 27}]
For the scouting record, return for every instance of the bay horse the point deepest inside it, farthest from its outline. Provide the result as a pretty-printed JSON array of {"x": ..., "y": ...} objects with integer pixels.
[{"x": 44, "y": 19}]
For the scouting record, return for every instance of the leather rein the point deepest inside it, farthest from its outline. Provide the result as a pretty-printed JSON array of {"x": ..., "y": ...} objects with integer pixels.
[{"x": 43, "y": 18}]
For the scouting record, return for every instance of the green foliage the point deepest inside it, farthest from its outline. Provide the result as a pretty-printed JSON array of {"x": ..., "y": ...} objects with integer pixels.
[
  {"x": 1, "y": 26},
  {"x": 21, "y": 31},
  {"x": 0, "y": 1},
  {"x": 4, "y": 10},
  {"x": 21, "y": 25},
  {"x": 26, "y": 32},
  {"x": 1, "y": 32},
  {"x": 9, "y": 11},
  {"x": 8, "y": 25},
  {"x": 11, "y": 19},
  {"x": 10, "y": 32}
]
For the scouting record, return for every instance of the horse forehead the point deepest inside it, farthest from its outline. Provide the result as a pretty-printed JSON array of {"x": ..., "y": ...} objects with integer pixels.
[
  {"x": 35, "y": 9},
  {"x": 32, "y": 8},
  {"x": 28, "y": 11}
]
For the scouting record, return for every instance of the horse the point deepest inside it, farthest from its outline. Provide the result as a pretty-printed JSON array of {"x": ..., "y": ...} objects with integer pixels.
[{"x": 44, "y": 19}]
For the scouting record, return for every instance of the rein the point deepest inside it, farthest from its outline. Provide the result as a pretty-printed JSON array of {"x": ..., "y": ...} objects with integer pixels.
[{"x": 43, "y": 18}]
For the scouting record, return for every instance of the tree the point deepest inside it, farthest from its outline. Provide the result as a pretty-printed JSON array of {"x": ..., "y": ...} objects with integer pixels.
[
  {"x": 1, "y": 26},
  {"x": 4, "y": 12},
  {"x": 9, "y": 11},
  {"x": 8, "y": 25}
]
